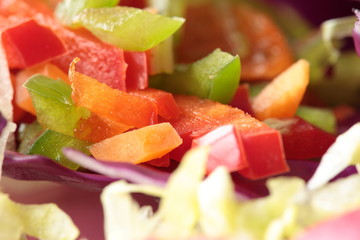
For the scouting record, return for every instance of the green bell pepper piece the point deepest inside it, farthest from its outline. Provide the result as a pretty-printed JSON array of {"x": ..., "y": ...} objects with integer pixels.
[
  {"x": 53, "y": 104},
  {"x": 51, "y": 143},
  {"x": 319, "y": 117},
  {"x": 215, "y": 77},
  {"x": 66, "y": 10},
  {"x": 128, "y": 28}
]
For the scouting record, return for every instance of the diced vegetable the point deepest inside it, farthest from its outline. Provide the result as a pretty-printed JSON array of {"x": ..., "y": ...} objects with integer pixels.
[
  {"x": 51, "y": 143},
  {"x": 53, "y": 104},
  {"x": 226, "y": 148},
  {"x": 66, "y": 10},
  {"x": 301, "y": 139},
  {"x": 263, "y": 145},
  {"x": 137, "y": 70},
  {"x": 95, "y": 128},
  {"x": 281, "y": 97},
  {"x": 138, "y": 145},
  {"x": 165, "y": 102},
  {"x": 30, "y": 43},
  {"x": 28, "y": 133},
  {"x": 23, "y": 99},
  {"x": 99, "y": 60},
  {"x": 110, "y": 103},
  {"x": 128, "y": 28},
  {"x": 215, "y": 77},
  {"x": 242, "y": 99},
  {"x": 164, "y": 161},
  {"x": 320, "y": 117}
]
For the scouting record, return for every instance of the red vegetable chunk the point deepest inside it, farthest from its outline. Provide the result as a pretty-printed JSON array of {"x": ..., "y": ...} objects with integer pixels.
[
  {"x": 137, "y": 71},
  {"x": 30, "y": 43},
  {"x": 302, "y": 140},
  {"x": 263, "y": 145},
  {"x": 99, "y": 60},
  {"x": 226, "y": 148},
  {"x": 109, "y": 103},
  {"x": 242, "y": 100}
]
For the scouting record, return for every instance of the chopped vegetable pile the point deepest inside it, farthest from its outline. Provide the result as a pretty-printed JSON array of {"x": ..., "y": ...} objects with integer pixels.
[{"x": 242, "y": 125}]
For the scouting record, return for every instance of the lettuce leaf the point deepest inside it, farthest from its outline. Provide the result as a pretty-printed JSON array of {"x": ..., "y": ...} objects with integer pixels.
[
  {"x": 343, "y": 153},
  {"x": 44, "y": 221}
]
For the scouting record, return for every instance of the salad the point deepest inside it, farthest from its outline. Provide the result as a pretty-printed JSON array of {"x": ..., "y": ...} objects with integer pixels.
[{"x": 229, "y": 122}]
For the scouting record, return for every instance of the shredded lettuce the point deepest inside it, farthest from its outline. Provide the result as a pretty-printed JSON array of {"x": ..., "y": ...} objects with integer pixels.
[
  {"x": 178, "y": 211},
  {"x": 192, "y": 205},
  {"x": 217, "y": 204},
  {"x": 343, "y": 153},
  {"x": 44, "y": 221},
  {"x": 124, "y": 219}
]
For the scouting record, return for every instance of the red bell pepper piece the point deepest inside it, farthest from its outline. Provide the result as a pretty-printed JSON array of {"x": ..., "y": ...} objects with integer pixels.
[
  {"x": 263, "y": 145},
  {"x": 99, "y": 60},
  {"x": 30, "y": 43},
  {"x": 241, "y": 99},
  {"x": 265, "y": 153},
  {"x": 164, "y": 161},
  {"x": 226, "y": 148},
  {"x": 136, "y": 72},
  {"x": 302, "y": 140}
]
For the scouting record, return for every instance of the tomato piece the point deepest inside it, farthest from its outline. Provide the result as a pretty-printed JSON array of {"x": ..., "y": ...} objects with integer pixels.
[
  {"x": 237, "y": 28},
  {"x": 136, "y": 72},
  {"x": 226, "y": 148},
  {"x": 139, "y": 145},
  {"x": 30, "y": 43},
  {"x": 165, "y": 102},
  {"x": 242, "y": 100},
  {"x": 116, "y": 105},
  {"x": 263, "y": 145},
  {"x": 301, "y": 139}
]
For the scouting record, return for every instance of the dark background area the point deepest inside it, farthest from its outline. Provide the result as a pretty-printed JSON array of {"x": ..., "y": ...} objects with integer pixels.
[{"x": 316, "y": 11}]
